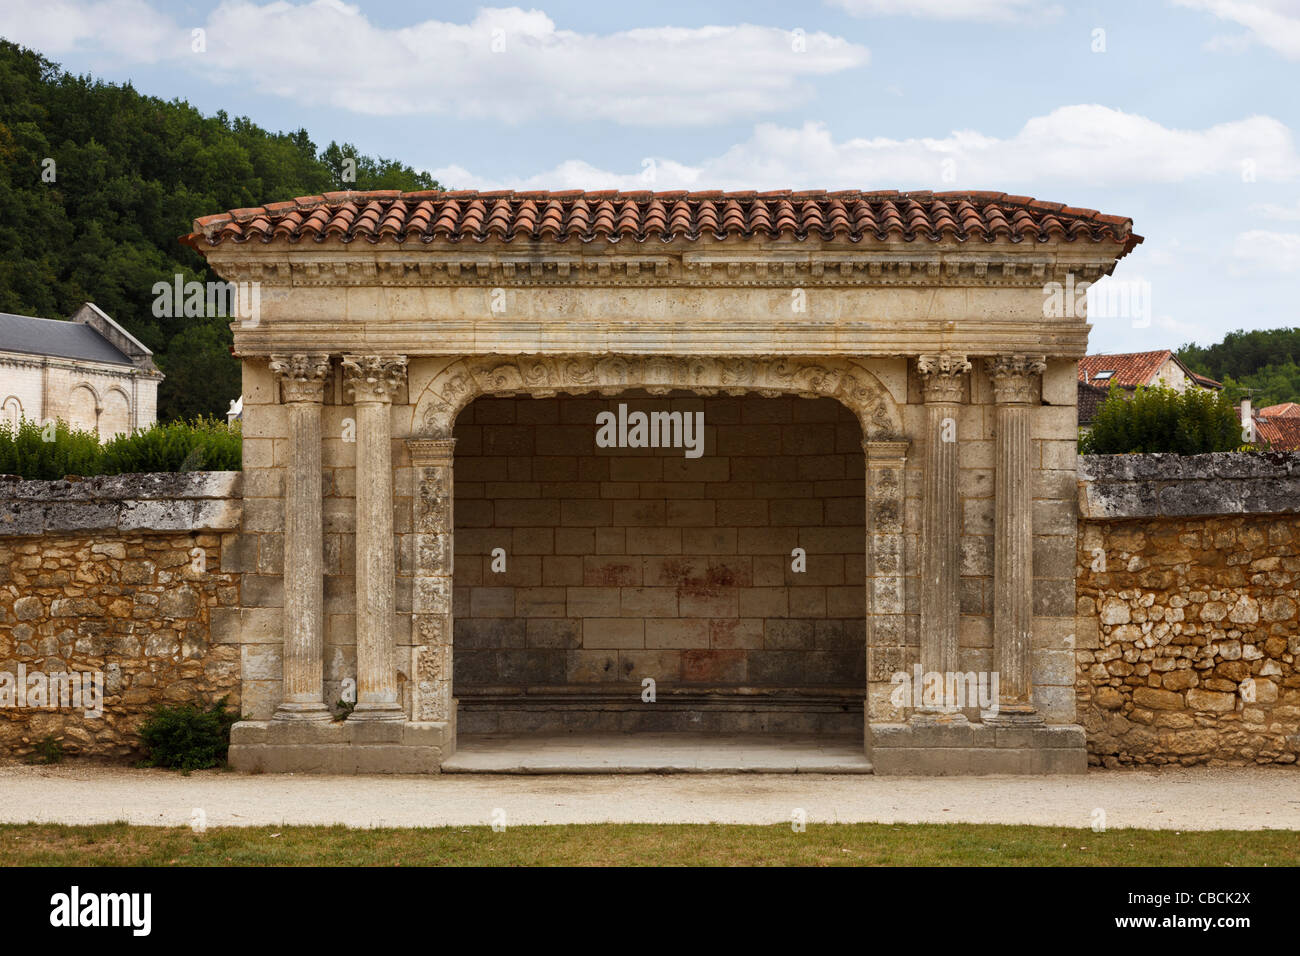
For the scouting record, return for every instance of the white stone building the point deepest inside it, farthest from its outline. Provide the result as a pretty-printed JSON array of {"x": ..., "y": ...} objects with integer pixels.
[{"x": 88, "y": 371}]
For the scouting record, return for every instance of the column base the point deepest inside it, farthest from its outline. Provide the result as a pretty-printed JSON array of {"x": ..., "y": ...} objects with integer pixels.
[
  {"x": 313, "y": 710},
  {"x": 1012, "y": 716},
  {"x": 928, "y": 717},
  {"x": 345, "y": 747},
  {"x": 975, "y": 749},
  {"x": 378, "y": 711}
]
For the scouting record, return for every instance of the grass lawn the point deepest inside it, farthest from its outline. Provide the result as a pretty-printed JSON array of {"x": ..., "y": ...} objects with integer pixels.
[{"x": 870, "y": 844}]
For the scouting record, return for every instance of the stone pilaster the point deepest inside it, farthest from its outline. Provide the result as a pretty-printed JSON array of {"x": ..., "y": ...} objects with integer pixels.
[
  {"x": 943, "y": 381},
  {"x": 371, "y": 380},
  {"x": 432, "y": 522},
  {"x": 886, "y": 605},
  {"x": 302, "y": 388},
  {"x": 1012, "y": 377}
]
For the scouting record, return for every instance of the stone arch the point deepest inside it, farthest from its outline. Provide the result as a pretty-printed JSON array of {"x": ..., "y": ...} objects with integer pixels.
[
  {"x": 545, "y": 375},
  {"x": 84, "y": 406},
  {"x": 115, "y": 418},
  {"x": 11, "y": 411}
]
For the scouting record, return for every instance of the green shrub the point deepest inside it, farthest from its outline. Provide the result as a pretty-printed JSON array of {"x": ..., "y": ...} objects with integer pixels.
[
  {"x": 1159, "y": 419},
  {"x": 48, "y": 750},
  {"x": 204, "y": 444},
  {"x": 183, "y": 737},
  {"x": 25, "y": 450}
]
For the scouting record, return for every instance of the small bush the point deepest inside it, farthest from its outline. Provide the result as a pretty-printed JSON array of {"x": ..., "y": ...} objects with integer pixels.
[
  {"x": 1159, "y": 419},
  {"x": 204, "y": 444},
  {"x": 48, "y": 750},
  {"x": 183, "y": 737},
  {"x": 25, "y": 451}
]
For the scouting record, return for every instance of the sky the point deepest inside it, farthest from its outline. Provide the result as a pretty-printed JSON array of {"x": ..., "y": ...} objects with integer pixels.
[{"x": 1180, "y": 114}]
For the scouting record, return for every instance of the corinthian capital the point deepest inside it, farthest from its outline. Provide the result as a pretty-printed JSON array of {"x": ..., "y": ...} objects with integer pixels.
[
  {"x": 1013, "y": 377},
  {"x": 943, "y": 376},
  {"x": 373, "y": 378},
  {"x": 302, "y": 375}
]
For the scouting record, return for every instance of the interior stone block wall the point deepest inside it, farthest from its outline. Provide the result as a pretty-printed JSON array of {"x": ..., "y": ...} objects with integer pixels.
[{"x": 625, "y": 563}]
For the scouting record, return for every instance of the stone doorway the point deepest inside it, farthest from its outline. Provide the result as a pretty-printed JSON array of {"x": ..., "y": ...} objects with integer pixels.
[{"x": 714, "y": 589}]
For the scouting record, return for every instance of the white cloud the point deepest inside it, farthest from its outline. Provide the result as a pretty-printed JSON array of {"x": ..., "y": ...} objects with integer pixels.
[
  {"x": 1275, "y": 211},
  {"x": 130, "y": 29},
  {"x": 979, "y": 10},
  {"x": 506, "y": 64},
  {"x": 1273, "y": 23},
  {"x": 1259, "y": 251},
  {"x": 1083, "y": 144}
]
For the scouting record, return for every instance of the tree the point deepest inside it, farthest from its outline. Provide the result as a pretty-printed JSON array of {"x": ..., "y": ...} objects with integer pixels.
[{"x": 97, "y": 182}]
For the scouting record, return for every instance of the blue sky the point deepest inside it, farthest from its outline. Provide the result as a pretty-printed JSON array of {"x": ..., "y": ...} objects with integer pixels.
[{"x": 1179, "y": 114}]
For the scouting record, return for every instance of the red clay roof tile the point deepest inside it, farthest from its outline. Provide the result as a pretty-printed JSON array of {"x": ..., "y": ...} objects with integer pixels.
[{"x": 506, "y": 216}]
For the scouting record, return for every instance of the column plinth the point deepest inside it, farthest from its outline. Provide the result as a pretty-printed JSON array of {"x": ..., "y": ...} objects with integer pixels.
[
  {"x": 1013, "y": 378},
  {"x": 371, "y": 381},
  {"x": 943, "y": 379},
  {"x": 302, "y": 386}
]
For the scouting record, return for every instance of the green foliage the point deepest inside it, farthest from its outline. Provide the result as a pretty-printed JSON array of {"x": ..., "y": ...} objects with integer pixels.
[
  {"x": 24, "y": 450},
  {"x": 1264, "y": 363},
  {"x": 48, "y": 750},
  {"x": 131, "y": 174},
  {"x": 183, "y": 737},
  {"x": 1162, "y": 420},
  {"x": 205, "y": 444}
]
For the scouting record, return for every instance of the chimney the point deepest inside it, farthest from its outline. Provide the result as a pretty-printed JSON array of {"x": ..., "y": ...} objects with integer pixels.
[{"x": 1247, "y": 420}]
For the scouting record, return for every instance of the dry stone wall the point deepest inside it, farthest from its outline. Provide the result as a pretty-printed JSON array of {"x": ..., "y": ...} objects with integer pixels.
[
  {"x": 117, "y": 577},
  {"x": 1188, "y": 589}
]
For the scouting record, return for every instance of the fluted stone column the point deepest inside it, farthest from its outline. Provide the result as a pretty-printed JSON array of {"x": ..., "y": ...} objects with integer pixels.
[
  {"x": 302, "y": 388},
  {"x": 371, "y": 381},
  {"x": 1013, "y": 378},
  {"x": 943, "y": 379},
  {"x": 433, "y": 524}
]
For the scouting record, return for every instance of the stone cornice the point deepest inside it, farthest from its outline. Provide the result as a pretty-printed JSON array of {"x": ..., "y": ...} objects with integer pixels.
[
  {"x": 721, "y": 266},
  {"x": 26, "y": 360}
]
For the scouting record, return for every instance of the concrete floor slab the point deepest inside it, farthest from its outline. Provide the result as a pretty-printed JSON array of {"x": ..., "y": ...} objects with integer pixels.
[{"x": 655, "y": 753}]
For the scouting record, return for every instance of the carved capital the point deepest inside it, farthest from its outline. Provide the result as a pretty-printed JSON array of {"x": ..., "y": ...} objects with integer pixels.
[
  {"x": 302, "y": 375},
  {"x": 1013, "y": 377},
  {"x": 373, "y": 378},
  {"x": 430, "y": 451},
  {"x": 943, "y": 376}
]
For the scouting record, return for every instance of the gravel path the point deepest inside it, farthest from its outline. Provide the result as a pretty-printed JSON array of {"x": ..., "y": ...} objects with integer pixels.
[{"x": 1172, "y": 799}]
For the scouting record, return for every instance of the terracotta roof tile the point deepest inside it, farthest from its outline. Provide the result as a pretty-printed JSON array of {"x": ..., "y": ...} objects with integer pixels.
[
  {"x": 1285, "y": 410},
  {"x": 640, "y": 215},
  {"x": 1130, "y": 369},
  {"x": 1282, "y": 434}
]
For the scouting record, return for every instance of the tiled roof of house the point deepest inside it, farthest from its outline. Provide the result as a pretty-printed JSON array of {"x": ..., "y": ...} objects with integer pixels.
[
  {"x": 1090, "y": 398},
  {"x": 613, "y": 216},
  {"x": 1285, "y": 410},
  {"x": 1131, "y": 369},
  {"x": 1282, "y": 434},
  {"x": 57, "y": 338}
]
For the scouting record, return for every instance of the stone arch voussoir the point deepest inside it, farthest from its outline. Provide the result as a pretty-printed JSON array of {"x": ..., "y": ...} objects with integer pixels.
[{"x": 545, "y": 375}]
